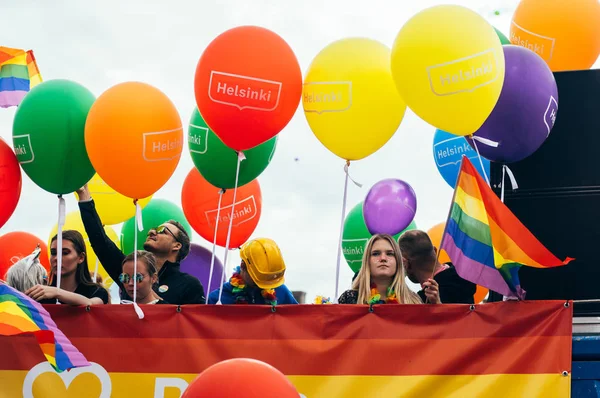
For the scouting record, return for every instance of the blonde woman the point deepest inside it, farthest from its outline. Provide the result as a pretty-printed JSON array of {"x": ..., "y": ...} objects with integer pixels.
[{"x": 381, "y": 279}]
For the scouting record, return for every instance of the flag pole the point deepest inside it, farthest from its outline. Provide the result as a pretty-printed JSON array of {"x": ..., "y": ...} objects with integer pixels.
[{"x": 448, "y": 217}]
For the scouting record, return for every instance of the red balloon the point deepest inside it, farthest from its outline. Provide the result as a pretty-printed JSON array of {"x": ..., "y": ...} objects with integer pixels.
[
  {"x": 200, "y": 201},
  {"x": 248, "y": 86},
  {"x": 241, "y": 378},
  {"x": 16, "y": 245},
  {"x": 10, "y": 182}
]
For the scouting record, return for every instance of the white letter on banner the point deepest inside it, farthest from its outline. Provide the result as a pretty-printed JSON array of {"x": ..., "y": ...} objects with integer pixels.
[{"x": 162, "y": 383}]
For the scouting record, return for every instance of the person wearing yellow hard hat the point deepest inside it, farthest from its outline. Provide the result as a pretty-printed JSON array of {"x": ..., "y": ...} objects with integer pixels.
[{"x": 258, "y": 279}]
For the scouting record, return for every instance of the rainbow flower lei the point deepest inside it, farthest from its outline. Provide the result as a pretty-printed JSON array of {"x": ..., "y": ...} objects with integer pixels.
[
  {"x": 322, "y": 300},
  {"x": 376, "y": 297},
  {"x": 239, "y": 289}
]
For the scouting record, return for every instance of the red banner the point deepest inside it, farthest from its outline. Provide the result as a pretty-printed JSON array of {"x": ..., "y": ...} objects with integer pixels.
[{"x": 500, "y": 349}]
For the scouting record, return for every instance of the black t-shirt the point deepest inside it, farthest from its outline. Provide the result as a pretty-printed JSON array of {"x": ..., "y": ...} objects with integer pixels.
[
  {"x": 89, "y": 291},
  {"x": 453, "y": 288}
]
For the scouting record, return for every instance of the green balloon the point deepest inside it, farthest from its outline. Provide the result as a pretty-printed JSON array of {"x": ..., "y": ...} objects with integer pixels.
[
  {"x": 503, "y": 39},
  {"x": 49, "y": 135},
  {"x": 356, "y": 235},
  {"x": 156, "y": 212},
  {"x": 218, "y": 163}
]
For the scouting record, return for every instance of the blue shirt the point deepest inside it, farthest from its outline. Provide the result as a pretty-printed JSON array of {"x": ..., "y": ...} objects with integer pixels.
[{"x": 253, "y": 296}]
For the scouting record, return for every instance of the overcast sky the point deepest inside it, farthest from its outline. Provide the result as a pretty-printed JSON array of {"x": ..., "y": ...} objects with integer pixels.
[{"x": 99, "y": 44}]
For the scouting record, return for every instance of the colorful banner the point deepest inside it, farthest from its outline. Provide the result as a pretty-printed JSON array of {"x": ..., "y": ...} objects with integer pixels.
[{"x": 507, "y": 349}]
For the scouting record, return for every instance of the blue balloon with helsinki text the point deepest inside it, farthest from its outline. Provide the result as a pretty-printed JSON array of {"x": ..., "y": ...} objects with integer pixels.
[{"x": 448, "y": 150}]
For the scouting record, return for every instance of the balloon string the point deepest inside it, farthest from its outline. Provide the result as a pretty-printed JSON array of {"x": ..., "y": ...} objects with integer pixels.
[
  {"x": 346, "y": 166},
  {"x": 95, "y": 278},
  {"x": 214, "y": 249},
  {"x": 138, "y": 217},
  {"x": 59, "y": 240},
  {"x": 485, "y": 141},
  {"x": 511, "y": 177},
  {"x": 237, "y": 175},
  {"x": 339, "y": 250},
  {"x": 225, "y": 266},
  {"x": 480, "y": 159}
]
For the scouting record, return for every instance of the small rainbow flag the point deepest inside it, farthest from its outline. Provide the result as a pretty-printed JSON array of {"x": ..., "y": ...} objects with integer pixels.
[
  {"x": 19, "y": 73},
  {"x": 486, "y": 242},
  {"x": 20, "y": 315}
]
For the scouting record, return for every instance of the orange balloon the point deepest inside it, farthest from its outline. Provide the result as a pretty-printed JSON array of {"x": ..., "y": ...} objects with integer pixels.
[
  {"x": 435, "y": 234},
  {"x": 248, "y": 86},
  {"x": 16, "y": 245},
  {"x": 480, "y": 294},
  {"x": 200, "y": 202},
  {"x": 134, "y": 138},
  {"x": 242, "y": 378},
  {"x": 565, "y": 33}
]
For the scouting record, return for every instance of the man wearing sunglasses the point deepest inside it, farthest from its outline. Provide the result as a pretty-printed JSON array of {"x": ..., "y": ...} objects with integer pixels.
[{"x": 169, "y": 242}]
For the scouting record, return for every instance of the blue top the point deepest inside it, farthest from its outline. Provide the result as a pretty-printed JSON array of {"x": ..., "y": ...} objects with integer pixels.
[{"x": 253, "y": 296}]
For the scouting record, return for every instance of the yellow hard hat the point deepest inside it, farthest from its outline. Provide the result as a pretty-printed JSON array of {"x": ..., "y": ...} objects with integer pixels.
[{"x": 264, "y": 262}]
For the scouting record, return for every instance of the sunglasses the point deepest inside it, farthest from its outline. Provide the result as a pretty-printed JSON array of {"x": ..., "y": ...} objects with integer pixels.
[
  {"x": 163, "y": 230},
  {"x": 125, "y": 278}
]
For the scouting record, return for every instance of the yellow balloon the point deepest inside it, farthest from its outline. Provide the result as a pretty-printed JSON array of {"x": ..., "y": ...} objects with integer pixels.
[
  {"x": 349, "y": 97},
  {"x": 73, "y": 222},
  {"x": 112, "y": 207},
  {"x": 448, "y": 65}
]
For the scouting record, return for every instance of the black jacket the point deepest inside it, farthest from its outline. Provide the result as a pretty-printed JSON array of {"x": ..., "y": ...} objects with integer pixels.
[
  {"x": 174, "y": 286},
  {"x": 453, "y": 288}
]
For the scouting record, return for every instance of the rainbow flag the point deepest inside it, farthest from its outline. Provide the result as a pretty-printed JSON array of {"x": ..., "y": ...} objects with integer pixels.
[
  {"x": 486, "y": 242},
  {"x": 20, "y": 315},
  {"x": 19, "y": 73},
  {"x": 505, "y": 349}
]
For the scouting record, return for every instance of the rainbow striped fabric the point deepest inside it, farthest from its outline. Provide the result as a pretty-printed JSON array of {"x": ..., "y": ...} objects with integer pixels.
[
  {"x": 20, "y": 315},
  {"x": 486, "y": 242},
  {"x": 19, "y": 73},
  {"x": 505, "y": 349}
]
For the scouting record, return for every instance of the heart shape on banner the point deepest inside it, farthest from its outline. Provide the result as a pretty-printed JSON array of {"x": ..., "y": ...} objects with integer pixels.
[{"x": 68, "y": 377}]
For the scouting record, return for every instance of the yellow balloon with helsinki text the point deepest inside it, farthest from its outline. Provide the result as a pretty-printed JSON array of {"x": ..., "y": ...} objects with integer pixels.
[
  {"x": 448, "y": 65},
  {"x": 112, "y": 207},
  {"x": 349, "y": 97},
  {"x": 73, "y": 222}
]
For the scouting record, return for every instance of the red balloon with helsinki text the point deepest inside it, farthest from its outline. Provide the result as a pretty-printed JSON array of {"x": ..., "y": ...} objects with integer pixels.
[
  {"x": 10, "y": 182},
  {"x": 248, "y": 85},
  {"x": 200, "y": 203}
]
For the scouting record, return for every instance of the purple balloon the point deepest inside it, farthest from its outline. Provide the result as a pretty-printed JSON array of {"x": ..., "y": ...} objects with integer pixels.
[
  {"x": 197, "y": 263},
  {"x": 526, "y": 110},
  {"x": 389, "y": 207}
]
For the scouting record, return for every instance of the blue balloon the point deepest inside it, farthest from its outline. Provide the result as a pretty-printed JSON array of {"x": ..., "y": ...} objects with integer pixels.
[{"x": 448, "y": 150}]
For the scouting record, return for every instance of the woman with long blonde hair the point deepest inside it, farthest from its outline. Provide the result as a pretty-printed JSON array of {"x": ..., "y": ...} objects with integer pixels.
[{"x": 382, "y": 277}]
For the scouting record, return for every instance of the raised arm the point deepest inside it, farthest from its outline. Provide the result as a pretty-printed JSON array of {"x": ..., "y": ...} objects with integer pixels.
[{"x": 106, "y": 250}]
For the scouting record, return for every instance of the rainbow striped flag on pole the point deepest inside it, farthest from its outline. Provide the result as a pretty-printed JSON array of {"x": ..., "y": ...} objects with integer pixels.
[
  {"x": 19, "y": 73},
  {"x": 20, "y": 314},
  {"x": 486, "y": 242}
]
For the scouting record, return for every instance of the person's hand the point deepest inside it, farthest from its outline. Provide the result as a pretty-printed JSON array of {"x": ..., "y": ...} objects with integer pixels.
[
  {"x": 83, "y": 193},
  {"x": 432, "y": 291},
  {"x": 39, "y": 292}
]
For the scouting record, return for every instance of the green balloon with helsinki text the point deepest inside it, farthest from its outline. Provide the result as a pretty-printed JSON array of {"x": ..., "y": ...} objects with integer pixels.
[
  {"x": 218, "y": 163},
  {"x": 49, "y": 135},
  {"x": 156, "y": 213},
  {"x": 356, "y": 236}
]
